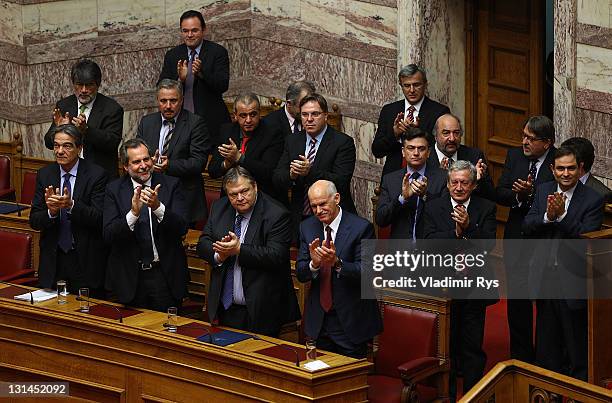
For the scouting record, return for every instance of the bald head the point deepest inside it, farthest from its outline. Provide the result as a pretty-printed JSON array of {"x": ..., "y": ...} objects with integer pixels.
[
  {"x": 324, "y": 201},
  {"x": 448, "y": 134}
]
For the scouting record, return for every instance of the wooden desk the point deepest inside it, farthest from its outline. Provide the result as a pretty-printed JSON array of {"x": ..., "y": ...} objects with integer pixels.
[
  {"x": 14, "y": 222},
  {"x": 138, "y": 361}
]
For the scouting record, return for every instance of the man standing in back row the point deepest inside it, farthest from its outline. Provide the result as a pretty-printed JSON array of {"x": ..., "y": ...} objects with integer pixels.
[{"x": 203, "y": 68}]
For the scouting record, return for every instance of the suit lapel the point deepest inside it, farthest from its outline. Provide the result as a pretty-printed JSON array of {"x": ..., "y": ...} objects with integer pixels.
[
  {"x": 344, "y": 229},
  {"x": 445, "y": 213},
  {"x": 96, "y": 112},
  {"x": 125, "y": 193},
  {"x": 255, "y": 220},
  {"x": 80, "y": 180},
  {"x": 575, "y": 202},
  {"x": 179, "y": 131},
  {"x": 328, "y": 139}
]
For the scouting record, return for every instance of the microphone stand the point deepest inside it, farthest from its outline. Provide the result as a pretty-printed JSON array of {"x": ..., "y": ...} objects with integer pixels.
[
  {"x": 297, "y": 357},
  {"x": 103, "y": 304},
  {"x": 23, "y": 288}
]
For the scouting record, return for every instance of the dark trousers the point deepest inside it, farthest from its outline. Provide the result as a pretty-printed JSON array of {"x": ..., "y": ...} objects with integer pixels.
[
  {"x": 519, "y": 311},
  {"x": 153, "y": 291},
  {"x": 466, "y": 338},
  {"x": 332, "y": 337},
  {"x": 561, "y": 335},
  {"x": 68, "y": 268},
  {"x": 236, "y": 316}
]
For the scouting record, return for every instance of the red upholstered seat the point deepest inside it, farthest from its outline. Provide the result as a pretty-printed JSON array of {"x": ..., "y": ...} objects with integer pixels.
[
  {"x": 6, "y": 191},
  {"x": 211, "y": 196},
  {"x": 28, "y": 187},
  {"x": 16, "y": 252},
  {"x": 384, "y": 232},
  {"x": 407, "y": 356}
]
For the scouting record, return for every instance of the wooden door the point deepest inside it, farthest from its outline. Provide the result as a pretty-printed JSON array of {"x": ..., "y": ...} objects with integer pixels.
[{"x": 505, "y": 73}]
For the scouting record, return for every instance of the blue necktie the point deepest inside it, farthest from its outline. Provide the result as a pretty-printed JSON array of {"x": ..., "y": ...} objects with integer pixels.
[
  {"x": 228, "y": 286},
  {"x": 143, "y": 235},
  {"x": 65, "y": 231}
]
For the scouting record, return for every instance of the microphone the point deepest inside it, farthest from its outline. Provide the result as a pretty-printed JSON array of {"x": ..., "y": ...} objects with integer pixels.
[
  {"x": 79, "y": 298},
  {"x": 297, "y": 357},
  {"x": 212, "y": 337},
  {"x": 23, "y": 288}
]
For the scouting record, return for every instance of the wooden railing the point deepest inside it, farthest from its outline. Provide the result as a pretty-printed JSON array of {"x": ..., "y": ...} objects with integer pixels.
[{"x": 516, "y": 381}]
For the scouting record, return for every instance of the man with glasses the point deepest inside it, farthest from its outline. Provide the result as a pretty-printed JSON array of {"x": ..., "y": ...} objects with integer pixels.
[
  {"x": 246, "y": 241},
  {"x": 318, "y": 152},
  {"x": 448, "y": 150},
  {"x": 415, "y": 110},
  {"x": 526, "y": 167},
  {"x": 67, "y": 209},
  {"x": 405, "y": 191},
  {"x": 98, "y": 118}
]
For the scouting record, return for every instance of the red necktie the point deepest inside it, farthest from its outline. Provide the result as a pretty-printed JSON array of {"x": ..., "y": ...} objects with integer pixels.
[
  {"x": 325, "y": 291},
  {"x": 245, "y": 140}
]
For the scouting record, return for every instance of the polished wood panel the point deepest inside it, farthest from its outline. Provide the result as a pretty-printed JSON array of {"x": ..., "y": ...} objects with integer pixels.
[{"x": 138, "y": 360}]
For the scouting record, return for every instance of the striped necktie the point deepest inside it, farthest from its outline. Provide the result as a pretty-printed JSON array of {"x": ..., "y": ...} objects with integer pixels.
[
  {"x": 306, "y": 210},
  {"x": 168, "y": 137}
]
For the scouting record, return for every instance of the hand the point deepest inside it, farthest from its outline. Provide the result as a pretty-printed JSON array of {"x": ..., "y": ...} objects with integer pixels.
[
  {"x": 230, "y": 152},
  {"x": 444, "y": 163},
  {"x": 461, "y": 218},
  {"x": 523, "y": 188},
  {"x": 161, "y": 165},
  {"x": 555, "y": 206},
  {"x": 80, "y": 122},
  {"x": 196, "y": 66},
  {"x": 136, "y": 201},
  {"x": 400, "y": 125},
  {"x": 150, "y": 197},
  {"x": 228, "y": 246},
  {"x": 181, "y": 69},
  {"x": 419, "y": 186},
  {"x": 315, "y": 258},
  {"x": 299, "y": 167},
  {"x": 58, "y": 119},
  {"x": 51, "y": 201},
  {"x": 481, "y": 169},
  {"x": 327, "y": 254}
]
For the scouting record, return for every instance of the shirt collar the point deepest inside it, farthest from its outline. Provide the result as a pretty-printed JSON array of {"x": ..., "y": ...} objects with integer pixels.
[
  {"x": 290, "y": 117},
  {"x": 163, "y": 119},
  {"x": 568, "y": 193},
  {"x": 336, "y": 223},
  {"x": 465, "y": 204},
  {"x": 417, "y": 106},
  {"x": 247, "y": 216},
  {"x": 584, "y": 178},
  {"x": 542, "y": 157},
  {"x": 73, "y": 170},
  {"x": 410, "y": 171},
  {"x": 89, "y": 105},
  {"x": 319, "y": 136},
  {"x": 441, "y": 155},
  {"x": 136, "y": 184},
  {"x": 197, "y": 49}
]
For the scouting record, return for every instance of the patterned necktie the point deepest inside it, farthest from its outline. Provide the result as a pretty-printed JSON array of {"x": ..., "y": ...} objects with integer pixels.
[
  {"x": 411, "y": 110},
  {"x": 64, "y": 240},
  {"x": 228, "y": 286},
  {"x": 168, "y": 137},
  {"x": 415, "y": 175},
  {"x": 533, "y": 171},
  {"x": 188, "y": 93},
  {"x": 143, "y": 234},
  {"x": 306, "y": 210},
  {"x": 82, "y": 109},
  {"x": 325, "y": 285}
]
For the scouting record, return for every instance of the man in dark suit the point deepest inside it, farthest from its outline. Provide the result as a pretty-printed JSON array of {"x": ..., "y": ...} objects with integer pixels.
[
  {"x": 405, "y": 191},
  {"x": 287, "y": 119},
  {"x": 415, "y": 110},
  {"x": 98, "y": 117},
  {"x": 203, "y": 68},
  {"x": 320, "y": 152},
  {"x": 562, "y": 210},
  {"x": 467, "y": 217},
  {"x": 448, "y": 149},
  {"x": 246, "y": 242},
  {"x": 525, "y": 169},
  {"x": 251, "y": 143},
  {"x": 330, "y": 258},
  {"x": 586, "y": 152},
  {"x": 67, "y": 209},
  {"x": 144, "y": 224},
  {"x": 182, "y": 143}
]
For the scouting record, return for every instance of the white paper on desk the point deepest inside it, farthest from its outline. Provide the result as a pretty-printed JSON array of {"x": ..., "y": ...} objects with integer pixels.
[
  {"x": 315, "y": 365},
  {"x": 38, "y": 295}
]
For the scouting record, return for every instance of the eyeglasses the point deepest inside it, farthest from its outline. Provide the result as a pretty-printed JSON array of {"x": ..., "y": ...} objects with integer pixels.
[
  {"x": 531, "y": 139},
  {"x": 306, "y": 115}
]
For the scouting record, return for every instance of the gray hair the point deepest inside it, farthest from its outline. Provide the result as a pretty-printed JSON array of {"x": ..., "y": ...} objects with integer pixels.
[
  {"x": 435, "y": 128},
  {"x": 331, "y": 187},
  {"x": 246, "y": 99},
  {"x": 296, "y": 88},
  {"x": 462, "y": 165},
  {"x": 168, "y": 84},
  {"x": 128, "y": 144},
  {"x": 233, "y": 174},
  {"x": 72, "y": 131},
  {"x": 411, "y": 70}
]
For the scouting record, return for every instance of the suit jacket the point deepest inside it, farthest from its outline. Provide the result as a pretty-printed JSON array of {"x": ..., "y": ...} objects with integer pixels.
[
  {"x": 584, "y": 214},
  {"x": 479, "y": 236},
  {"x": 123, "y": 263},
  {"x": 335, "y": 161},
  {"x": 187, "y": 155},
  {"x": 264, "y": 260},
  {"x": 85, "y": 221},
  {"x": 600, "y": 188},
  {"x": 279, "y": 119},
  {"x": 262, "y": 153},
  {"x": 401, "y": 216},
  {"x": 360, "y": 318},
  {"x": 485, "y": 187},
  {"x": 385, "y": 143},
  {"x": 208, "y": 85},
  {"x": 104, "y": 131}
]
